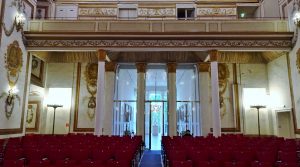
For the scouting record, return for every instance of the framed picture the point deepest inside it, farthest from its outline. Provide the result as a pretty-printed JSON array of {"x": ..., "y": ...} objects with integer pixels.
[
  {"x": 33, "y": 116},
  {"x": 37, "y": 71},
  {"x": 41, "y": 12}
]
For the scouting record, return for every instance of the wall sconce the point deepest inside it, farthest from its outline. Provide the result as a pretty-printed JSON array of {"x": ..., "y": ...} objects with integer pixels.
[
  {"x": 10, "y": 101},
  {"x": 20, "y": 21},
  {"x": 296, "y": 18}
]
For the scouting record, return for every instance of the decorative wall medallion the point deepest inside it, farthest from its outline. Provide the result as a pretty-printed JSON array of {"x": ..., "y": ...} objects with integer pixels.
[
  {"x": 14, "y": 63},
  {"x": 223, "y": 82},
  {"x": 91, "y": 75}
]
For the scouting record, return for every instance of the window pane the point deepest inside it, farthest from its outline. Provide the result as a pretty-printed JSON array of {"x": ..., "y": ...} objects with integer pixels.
[
  {"x": 126, "y": 83},
  {"x": 156, "y": 84},
  {"x": 188, "y": 104},
  {"x": 186, "y": 84},
  {"x": 124, "y": 121},
  {"x": 190, "y": 13},
  {"x": 181, "y": 13}
]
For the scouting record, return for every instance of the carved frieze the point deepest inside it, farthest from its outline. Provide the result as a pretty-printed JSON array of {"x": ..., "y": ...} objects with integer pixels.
[
  {"x": 156, "y": 12},
  {"x": 163, "y": 43},
  {"x": 216, "y": 11},
  {"x": 98, "y": 12}
]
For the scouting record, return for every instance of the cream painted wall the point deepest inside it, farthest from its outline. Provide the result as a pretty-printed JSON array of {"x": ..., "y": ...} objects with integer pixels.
[
  {"x": 59, "y": 75},
  {"x": 270, "y": 9},
  {"x": 280, "y": 95},
  {"x": 254, "y": 76},
  {"x": 15, "y": 120}
]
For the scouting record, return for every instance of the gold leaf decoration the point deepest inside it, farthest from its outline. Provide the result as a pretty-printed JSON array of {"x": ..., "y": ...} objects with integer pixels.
[
  {"x": 14, "y": 62},
  {"x": 91, "y": 75},
  {"x": 298, "y": 60}
]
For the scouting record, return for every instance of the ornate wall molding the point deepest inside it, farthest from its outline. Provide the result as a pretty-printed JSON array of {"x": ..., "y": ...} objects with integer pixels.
[
  {"x": 243, "y": 43},
  {"x": 216, "y": 11},
  {"x": 98, "y": 12},
  {"x": 156, "y": 12}
]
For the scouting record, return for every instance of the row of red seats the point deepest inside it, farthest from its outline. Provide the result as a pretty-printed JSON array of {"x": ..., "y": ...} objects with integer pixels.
[
  {"x": 47, "y": 150},
  {"x": 229, "y": 164},
  {"x": 230, "y": 151}
]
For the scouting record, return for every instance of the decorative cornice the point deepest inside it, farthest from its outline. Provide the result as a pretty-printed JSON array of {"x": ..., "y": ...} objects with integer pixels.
[
  {"x": 172, "y": 67},
  {"x": 141, "y": 67},
  {"x": 203, "y": 67},
  {"x": 101, "y": 55},
  {"x": 226, "y": 43},
  {"x": 110, "y": 66}
]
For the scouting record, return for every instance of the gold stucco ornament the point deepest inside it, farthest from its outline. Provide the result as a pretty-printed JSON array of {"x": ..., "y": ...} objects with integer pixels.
[
  {"x": 91, "y": 75},
  {"x": 223, "y": 75},
  {"x": 298, "y": 60},
  {"x": 223, "y": 82},
  {"x": 14, "y": 63}
]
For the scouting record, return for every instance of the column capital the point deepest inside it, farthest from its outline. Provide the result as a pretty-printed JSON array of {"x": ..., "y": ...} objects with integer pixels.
[
  {"x": 213, "y": 54},
  {"x": 141, "y": 67},
  {"x": 110, "y": 66},
  {"x": 101, "y": 55},
  {"x": 203, "y": 67},
  {"x": 172, "y": 67}
]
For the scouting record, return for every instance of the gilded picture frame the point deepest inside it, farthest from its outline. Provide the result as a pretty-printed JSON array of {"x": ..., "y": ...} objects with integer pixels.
[
  {"x": 33, "y": 116},
  {"x": 37, "y": 71}
]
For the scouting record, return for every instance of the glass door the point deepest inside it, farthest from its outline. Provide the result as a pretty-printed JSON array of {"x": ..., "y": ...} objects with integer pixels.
[
  {"x": 156, "y": 123},
  {"x": 156, "y": 108}
]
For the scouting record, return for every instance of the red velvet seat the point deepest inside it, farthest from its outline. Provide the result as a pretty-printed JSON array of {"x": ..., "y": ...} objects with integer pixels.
[
  {"x": 288, "y": 156},
  {"x": 39, "y": 163},
  {"x": 288, "y": 164},
  {"x": 13, "y": 163},
  {"x": 65, "y": 163},
  {"x": 181, "y": 164},
  {"x": 236, "y": 164},
  {"x": 262, "y": 164}
]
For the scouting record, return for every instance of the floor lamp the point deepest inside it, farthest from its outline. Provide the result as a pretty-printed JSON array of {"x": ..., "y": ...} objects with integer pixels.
[
  {"x": 258, "y": 107},
  {"x": 54, "y": 107}
]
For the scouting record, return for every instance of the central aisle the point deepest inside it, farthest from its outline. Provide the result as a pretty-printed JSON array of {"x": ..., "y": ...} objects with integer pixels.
[{"x": 151, "y": 159}]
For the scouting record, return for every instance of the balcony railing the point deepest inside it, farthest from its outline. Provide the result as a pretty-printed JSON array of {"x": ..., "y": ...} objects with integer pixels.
[{"x": 140, "y": 25}]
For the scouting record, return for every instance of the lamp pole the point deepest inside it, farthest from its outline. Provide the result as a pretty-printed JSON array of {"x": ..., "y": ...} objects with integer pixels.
[
  {"x": 54, "y": 107},
  {"x": 258, "y": 122}
]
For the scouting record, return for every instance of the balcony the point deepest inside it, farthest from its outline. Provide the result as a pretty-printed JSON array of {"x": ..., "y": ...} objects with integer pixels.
[
  {"x": 158, "y": 26},
  {"x": 172, "y": 35}
]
